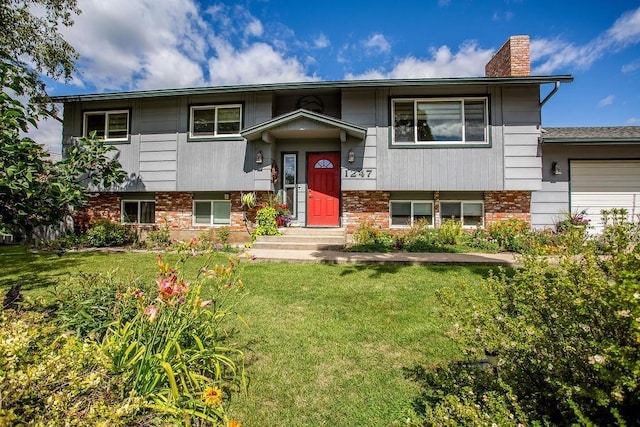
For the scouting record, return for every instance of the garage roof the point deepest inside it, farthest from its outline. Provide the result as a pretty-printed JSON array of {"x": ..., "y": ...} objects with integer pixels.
[{"x": 610, "y": 134}]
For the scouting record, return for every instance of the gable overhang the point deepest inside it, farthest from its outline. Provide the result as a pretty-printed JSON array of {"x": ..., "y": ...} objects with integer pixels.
[{"x": 304, "y": 124}]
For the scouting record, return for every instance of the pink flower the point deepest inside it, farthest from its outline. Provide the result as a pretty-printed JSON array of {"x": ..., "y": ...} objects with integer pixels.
[{"x": 152, "y": 312}]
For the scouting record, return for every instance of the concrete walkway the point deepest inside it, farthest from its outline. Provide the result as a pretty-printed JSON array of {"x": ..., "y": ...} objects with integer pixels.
[{"x": 339, "y": 257}]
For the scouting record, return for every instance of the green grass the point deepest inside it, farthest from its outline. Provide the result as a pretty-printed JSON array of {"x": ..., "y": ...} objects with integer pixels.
[{"x": 326, "y": 344}]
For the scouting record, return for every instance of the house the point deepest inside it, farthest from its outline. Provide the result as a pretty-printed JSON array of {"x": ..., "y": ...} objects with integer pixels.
[
  {"x": 587, "y": 169},
  {"x": 340, "y": 153}
]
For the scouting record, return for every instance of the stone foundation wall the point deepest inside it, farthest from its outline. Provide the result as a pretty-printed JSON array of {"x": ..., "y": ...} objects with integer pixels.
[
  {"x": 501, "y": 205},
  {"x": 362, "y": 206}
]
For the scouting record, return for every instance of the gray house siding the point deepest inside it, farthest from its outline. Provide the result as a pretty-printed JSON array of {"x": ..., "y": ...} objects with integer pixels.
[
  {"x": 432, "y": 168},
  {"x": 161, "y": 157},
  {"x": 552, "y": 200},
  {"x": 520, "y": 110}
]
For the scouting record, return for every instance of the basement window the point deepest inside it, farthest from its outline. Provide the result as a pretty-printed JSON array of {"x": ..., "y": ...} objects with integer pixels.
[
  {"x": 470, "y": 213},
  {"x": 212, "y": 212},
  {"x": 406, "y": 213},
  {"x": 138, "y": 211}
]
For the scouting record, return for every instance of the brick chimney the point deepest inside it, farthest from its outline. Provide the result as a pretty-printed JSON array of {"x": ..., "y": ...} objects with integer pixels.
[{"x": 511, "y": 60}]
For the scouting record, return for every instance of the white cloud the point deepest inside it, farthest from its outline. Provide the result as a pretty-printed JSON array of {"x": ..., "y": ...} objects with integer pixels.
[
  {"x": 254, "y": 28},
  {"x": 632, "y": 121},
  {"x": 443, "y": 3},
  {"x": 378, "y": 43},
  {"x": 49, "y": 134},
  {"x": 555, "y": 54},
  {"x": 258, "y": 63},
  {"x": 469, "y": 60},
  {"x": 607, "y": 100},
  {"x": 321, "y": 42},
  {"x": 631, "y": 67},
  {"x": 121, "y": 42}
]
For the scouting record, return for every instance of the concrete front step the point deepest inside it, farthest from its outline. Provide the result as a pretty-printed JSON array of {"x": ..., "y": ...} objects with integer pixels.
[
  {"x": 310, "y": 239},
  {"x": 301, "y": 246},
  {"x": 312, "y": 231}
]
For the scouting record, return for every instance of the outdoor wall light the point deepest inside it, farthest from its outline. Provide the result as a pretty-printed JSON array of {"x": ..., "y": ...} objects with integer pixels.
[
  {"x": 351, "y": 156},
  {"x": 555, "y": 168},
  {"x": 259, "y": 157}
]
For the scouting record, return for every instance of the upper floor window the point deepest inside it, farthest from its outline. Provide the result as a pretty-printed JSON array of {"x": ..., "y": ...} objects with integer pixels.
[
  {"x": 440, "y": 120},
  {"x": 108, "y": 125},
  {"x": 215, "y": 120}
]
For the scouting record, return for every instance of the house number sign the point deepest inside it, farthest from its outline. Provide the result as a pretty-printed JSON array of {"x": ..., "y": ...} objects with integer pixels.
[{"x": 357, "y": 174}]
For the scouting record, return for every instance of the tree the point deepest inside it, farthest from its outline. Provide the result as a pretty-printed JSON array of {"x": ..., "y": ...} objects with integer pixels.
[{"x": 34, "y": 191}]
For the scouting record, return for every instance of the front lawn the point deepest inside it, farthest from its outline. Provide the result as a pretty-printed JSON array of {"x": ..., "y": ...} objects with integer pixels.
[{"x": 325, "y": 344}]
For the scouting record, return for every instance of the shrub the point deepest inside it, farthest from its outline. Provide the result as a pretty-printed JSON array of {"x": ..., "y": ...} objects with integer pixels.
[
  {"x": 370, "y": 238},
  {"x": 510, "y": 234},
  {"x": 481, "y": 240},
  {"x": 106, "y": 233},
  {"x": 266, "y": 224},
  {"x": 449, "y": 232},
  {"x": 552, "y": 344},
  {"x": 49, "y": 378},
  {"x": 159, "y": 237}
]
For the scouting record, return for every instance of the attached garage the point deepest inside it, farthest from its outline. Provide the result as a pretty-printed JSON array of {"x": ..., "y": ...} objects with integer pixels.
[{"x": 597, "y": 185}]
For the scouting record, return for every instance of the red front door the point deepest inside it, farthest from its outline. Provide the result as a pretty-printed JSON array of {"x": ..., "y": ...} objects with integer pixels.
[{"x": 323, "y": 196}]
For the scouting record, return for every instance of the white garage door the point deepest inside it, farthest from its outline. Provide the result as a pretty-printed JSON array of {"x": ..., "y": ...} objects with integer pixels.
[{"x": 605, "y": 184}]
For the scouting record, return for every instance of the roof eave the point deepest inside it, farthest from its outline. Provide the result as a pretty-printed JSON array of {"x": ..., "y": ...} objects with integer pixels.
[
  {"x": 589, "y": 141},
  {"x": 451, "y": 81}
]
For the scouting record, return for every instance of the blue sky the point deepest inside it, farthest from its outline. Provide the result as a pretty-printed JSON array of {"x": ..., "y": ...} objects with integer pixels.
[{"x": 150, "y": 44}]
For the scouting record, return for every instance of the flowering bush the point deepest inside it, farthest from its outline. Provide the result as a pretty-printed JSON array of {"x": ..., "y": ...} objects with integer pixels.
[
  {"x": 553, "y": 344},
  {"x": 49, "y": 378},
  {"x": 172, "y": 350},
  {"x": 510, "y": 234}
]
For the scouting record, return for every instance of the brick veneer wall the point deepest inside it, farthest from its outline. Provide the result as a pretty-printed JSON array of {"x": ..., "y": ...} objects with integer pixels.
[
  {"x": 100, "y": 206},
  {"x": 511, "y": 60},
  {"x": 174, "y": 209},
  {"x": 361, "y": 206},
  {"x": 499, "y": 205}
]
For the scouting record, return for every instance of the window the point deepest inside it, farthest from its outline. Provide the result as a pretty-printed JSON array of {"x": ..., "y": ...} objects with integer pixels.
[
  {"x": 215, "y": 120},
  {"x": 434, "y": 121},
  {"x": 290, "y": 181},
  {"x": 138, "y": 211},
  {"x": 212, "y": 212},
  {"x": 108, "y": 125},
  {"x": 469, "y": 213},
  {"x": 405, "y": 213}
]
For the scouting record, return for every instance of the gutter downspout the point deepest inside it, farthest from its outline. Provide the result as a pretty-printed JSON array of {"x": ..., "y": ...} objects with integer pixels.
[{"x": 555, "y": 89}]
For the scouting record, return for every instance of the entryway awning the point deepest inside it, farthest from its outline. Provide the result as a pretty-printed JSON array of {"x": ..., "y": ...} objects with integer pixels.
[{"x": 303, "y": 124}]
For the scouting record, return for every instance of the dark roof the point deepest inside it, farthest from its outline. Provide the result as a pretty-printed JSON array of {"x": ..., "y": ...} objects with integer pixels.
[
  {"x": 488, "y": 81},
  {"x": 613, "y": 134}
]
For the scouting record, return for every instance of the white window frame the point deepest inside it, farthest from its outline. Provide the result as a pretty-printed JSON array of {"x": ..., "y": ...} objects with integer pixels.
[
  {"x": 294, "y": 186},
  {"x": 462, "y": 203},
  {"x": 211, "y": 222},
  {"x": 106, "y": 114},
  {"x": 138, "y": 201},
  {"x": 462, "y": 101},
  {"x": 215, "y": 108},
  {"x": 411, "y": 215}
]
